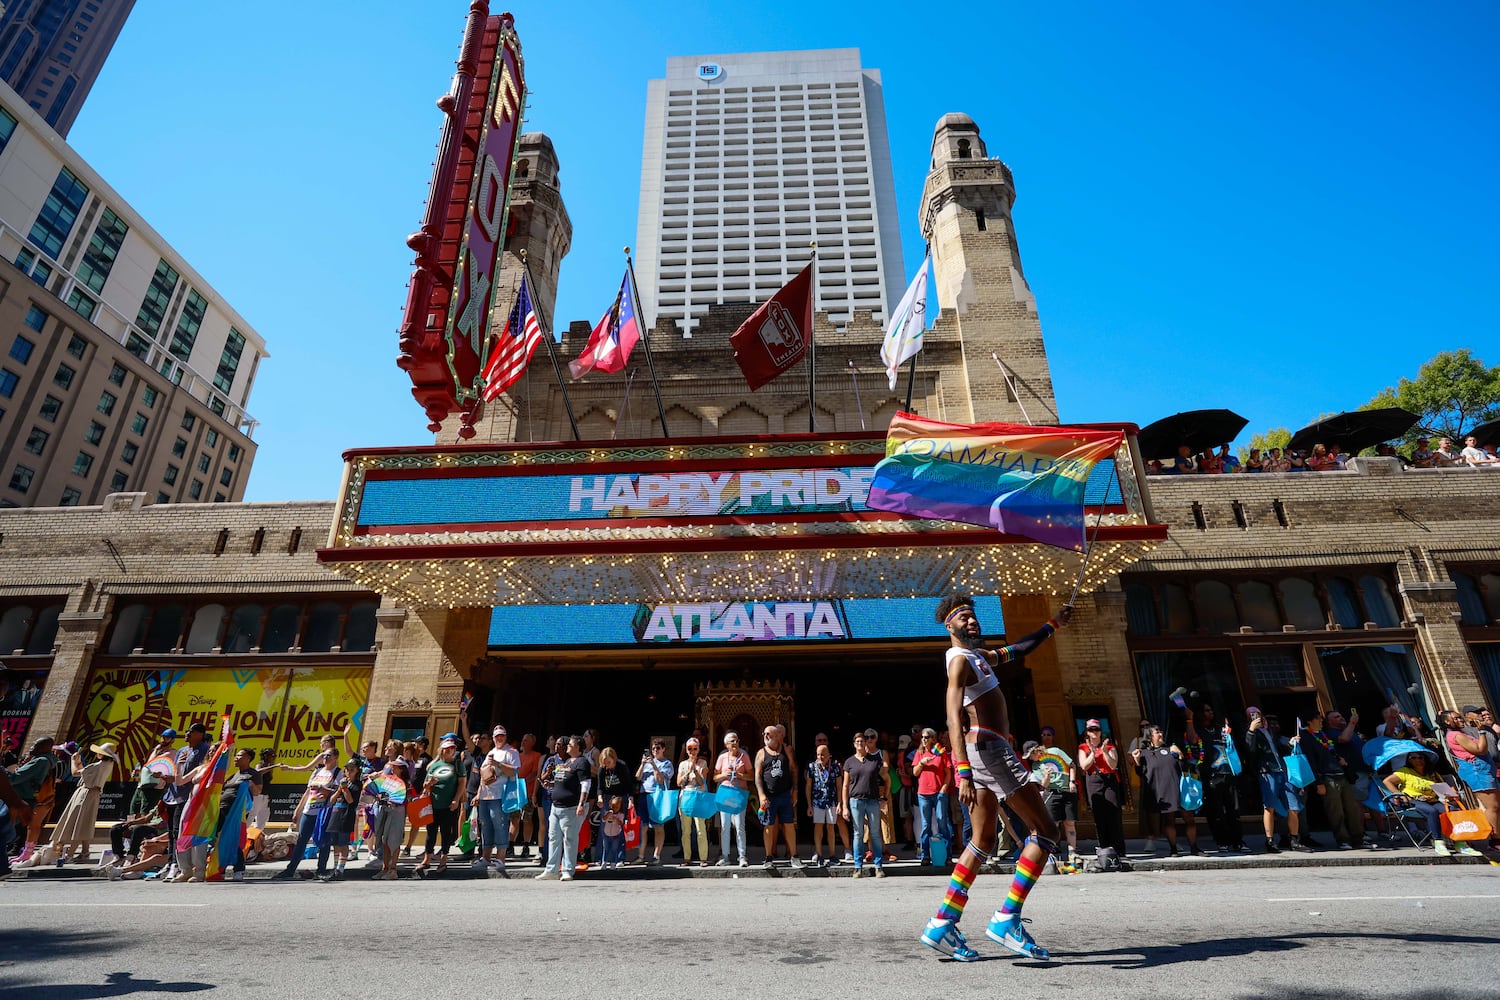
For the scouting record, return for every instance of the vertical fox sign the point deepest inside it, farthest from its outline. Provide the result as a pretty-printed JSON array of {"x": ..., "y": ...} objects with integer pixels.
[{"x": 446, "y": 322}]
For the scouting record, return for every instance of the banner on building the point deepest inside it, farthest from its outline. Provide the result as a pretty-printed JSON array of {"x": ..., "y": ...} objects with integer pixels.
[{"x": 20, "y": 692}]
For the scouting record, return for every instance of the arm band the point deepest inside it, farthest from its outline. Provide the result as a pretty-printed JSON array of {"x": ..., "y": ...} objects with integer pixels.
[{"x": 963, "y": 770}]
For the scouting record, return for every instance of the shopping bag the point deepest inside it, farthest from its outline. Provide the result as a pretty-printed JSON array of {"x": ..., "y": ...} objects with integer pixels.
[
  {"x": 1190, "y": 793},
  {"x": 731, "y": 800},
  {"x": 513, "y": 799},
  {"x": 938, "y": 851},
  {"x": 698, "y": 804},
  {"x": 465, "y": 837},
  {"x": 1466, "y": 824},
  {"x": 632, "y": 829},
  {"x": 1299, "y": 769},
  {"x": 661, "y": 806},
  {"x": 1232, "y": 755},
  {"x": 419, "y": 810}
]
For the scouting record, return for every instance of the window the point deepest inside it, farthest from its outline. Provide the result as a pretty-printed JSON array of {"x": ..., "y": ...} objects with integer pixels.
[
  {"x": 163, "y": 498},
  {"x": 149, "y": 395},
  {"x": 82, "y": 464},
  {"x": 99, "y": 258},
  {"x": 130, "y": 628},
  {"x": 359, "y": 630},
  {"x": 188, "y": 420},
  {"x": 226, "y": 477},
  {"x": 70, "y": 497},
  {"x": 20, "y": 478},
  {"x": 130, "y": 452},
  {"x": 96, "y": 432},
  {"x": 170, "y": 476},
  {"x": 8, "y": 382},
  {"x": 188, "y": 323},
  {"x": 281, "y": 628},
  {"x": 51, "y": 407},
  {"x": 82, "y": 304},
  {"x": 138, "y": 423},
  {"x": 8, "y": 120},
  {"x": 138, "y": 346},
  {"x": 107, "y": 403},
  {"x": 36, "y": 441},
  {"x": 158, "y": 297},
  {"x": 234, "y": 453},
  {"x": 55, "y": 221},
  {"x": 117, "y": 374},
  {"x": 207, "y": 623},
  {"x": 322, "y": 630},
  {"x": 63, "y": 377},
  {"x": 77, "y": 345},
  {"x": 118, "y": 482},
  {"x": 219, "y": 498},
  {"x": 211, "y": 438},
  {"x": 179, "y": 448},
  {"x": 195, "y": 489},
  {"x": 36, "y": 319},
  {"x": 202, "y": 463},
  {"x": 244, "y": 628},
  {"x": 165, "y": 628},
  {"x": 21, "y": 349},
  {"x": 229, "y": 361}
]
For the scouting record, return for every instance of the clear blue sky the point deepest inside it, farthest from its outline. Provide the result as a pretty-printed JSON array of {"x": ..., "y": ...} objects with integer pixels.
[{"x": 1279, "y": 208}]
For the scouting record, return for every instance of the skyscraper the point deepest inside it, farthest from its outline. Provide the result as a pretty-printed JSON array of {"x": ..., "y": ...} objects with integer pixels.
[
  {"x": 749, "y": 158},
  {"x": 52, "y": 50}
]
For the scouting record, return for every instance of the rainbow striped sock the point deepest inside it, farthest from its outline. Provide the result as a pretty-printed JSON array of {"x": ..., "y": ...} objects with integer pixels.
[
  {"x": 1027, "y": 872},
  {"x": 957, "y": 896}
]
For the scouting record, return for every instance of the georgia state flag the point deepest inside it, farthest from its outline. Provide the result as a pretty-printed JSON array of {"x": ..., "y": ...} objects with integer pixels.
[{"x": 613, "y": 338}]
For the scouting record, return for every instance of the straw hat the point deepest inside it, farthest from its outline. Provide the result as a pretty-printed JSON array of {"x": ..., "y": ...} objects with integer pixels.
[{"x": 106, "y": 750}]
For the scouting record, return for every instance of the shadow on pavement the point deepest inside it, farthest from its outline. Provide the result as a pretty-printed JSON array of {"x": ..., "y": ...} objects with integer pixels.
[
  {"x": 1155, "y": 956},
  {"x": 116, "y": 984},
  {"x": 34, "y": 945}
]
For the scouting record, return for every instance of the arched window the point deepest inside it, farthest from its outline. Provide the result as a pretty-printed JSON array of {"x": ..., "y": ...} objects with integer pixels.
[
  {"x": 204, "y": 635},
  {"x": 244, "y": 628},
  {"x": 322, "y": 628},
  {"x": 1343, "y": 602},
  {"x": 281, "y": 628},
  {"x": 523, "y": 168},
  {"x": 13, "y": 626},
  {"x": 130, "y": 625},
  {"x": 1176, "y": 609},
  {"x": 44, "y": 632},
  {"x": 963, "y": 149},
  {"x": 1489, "y": 585},
  {"x": 165, "y": 628},
  {"x": 1303, "y": 609},
  {"x": 1140, "y": 610},
  {"x": 1258, "y": 606},
  {"x": 1470, "y": 603},
  {"x": 359, "y": 631},
  {"x": 1379, "y": 604},
  {"x": 1215, "y": 604}
]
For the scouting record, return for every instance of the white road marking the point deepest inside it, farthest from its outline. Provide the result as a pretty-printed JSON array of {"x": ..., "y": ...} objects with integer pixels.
[
  {"x": 1351, "y": 899},
  {"x": 17, "y": 906}
]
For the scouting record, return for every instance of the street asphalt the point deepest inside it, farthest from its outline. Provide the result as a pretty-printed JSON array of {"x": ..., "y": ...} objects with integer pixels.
[{"x": 1418, "y": 933}]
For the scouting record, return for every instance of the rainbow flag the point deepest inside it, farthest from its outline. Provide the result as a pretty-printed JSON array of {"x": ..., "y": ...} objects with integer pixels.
[
  {"x": 200, "y": 817},
  {"x": 1021, "y": 480},
  {"x": 231, "y": 837}
]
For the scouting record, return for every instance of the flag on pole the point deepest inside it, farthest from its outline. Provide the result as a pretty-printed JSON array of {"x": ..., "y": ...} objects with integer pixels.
[
  {"x": 200, "y": 817},
  {"x": 513, "y": 347},
  {"x": 231, "y": 838},
  {"x": 776, "y": 335},
  {"x": 903, "y": 334},
  {"x": 613, "y": 339},
  {"x": 1019, "y": 479}
]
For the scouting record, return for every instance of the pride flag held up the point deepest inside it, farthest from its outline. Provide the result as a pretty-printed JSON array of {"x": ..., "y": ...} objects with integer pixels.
[
  {"x": 1019, "y": 479},
  {"x": 200, "y": 817}
]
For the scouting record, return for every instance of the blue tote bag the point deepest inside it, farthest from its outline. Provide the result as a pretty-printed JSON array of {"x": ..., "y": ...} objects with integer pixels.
[
  {"x": 1190, "y": 793},
  {"x": 731, "y": 800},
  {"x": 698, "y": 804},
  {"x": 513, "y": 799},
  {"x": 1299, "y": 769},
  {"x": 661, "y": 806}
]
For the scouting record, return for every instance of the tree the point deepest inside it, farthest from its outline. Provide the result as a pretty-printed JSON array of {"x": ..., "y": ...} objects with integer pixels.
[
  {"x": 1451, "y": 395},
  {"x": 1276, "y": 437}
]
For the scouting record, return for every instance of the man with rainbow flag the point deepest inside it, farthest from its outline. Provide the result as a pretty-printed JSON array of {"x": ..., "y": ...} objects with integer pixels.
[{"x": 215, "y": 813}]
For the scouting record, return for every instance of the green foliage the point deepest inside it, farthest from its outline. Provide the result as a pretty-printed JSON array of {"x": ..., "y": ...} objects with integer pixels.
[
  {"x": 1452, "y": 394},
  {"x": 1276, "y": 437}
]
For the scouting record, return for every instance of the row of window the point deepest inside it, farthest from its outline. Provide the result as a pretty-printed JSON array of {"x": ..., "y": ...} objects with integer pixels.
[
  {"x": 1478, "y": 596},
  {"x": 1312, "y": 602},
  {"x": 311, "y": 627}
]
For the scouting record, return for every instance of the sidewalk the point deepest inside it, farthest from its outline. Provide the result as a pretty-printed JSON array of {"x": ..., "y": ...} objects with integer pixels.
[{"x": 1140, "y": 861}]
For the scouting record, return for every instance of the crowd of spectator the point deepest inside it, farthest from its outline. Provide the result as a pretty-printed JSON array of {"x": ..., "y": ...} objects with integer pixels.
[{"x": 1325, "y": 458}]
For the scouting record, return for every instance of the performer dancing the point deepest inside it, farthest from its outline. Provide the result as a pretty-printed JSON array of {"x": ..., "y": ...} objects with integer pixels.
[{"x": 989, "y": 774}]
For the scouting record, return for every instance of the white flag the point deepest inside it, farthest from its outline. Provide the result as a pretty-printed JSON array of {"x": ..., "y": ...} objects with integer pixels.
[{"x": 903, "y": 335}]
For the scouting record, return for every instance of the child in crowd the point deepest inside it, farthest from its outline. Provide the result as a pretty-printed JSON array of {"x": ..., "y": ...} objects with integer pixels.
[{"x": 613, "y": 824}]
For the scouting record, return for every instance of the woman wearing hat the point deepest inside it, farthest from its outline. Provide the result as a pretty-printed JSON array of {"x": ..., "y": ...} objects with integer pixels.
[{"x": 75, "y": 827}]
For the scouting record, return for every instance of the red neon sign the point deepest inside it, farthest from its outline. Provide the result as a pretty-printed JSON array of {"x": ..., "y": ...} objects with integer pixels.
[{"x": 448, "y": 302}]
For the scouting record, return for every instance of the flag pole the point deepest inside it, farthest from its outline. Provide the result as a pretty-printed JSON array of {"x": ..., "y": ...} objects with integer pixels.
[
  {"x": 551, "y": 350},
  {"x": 1087, "y": 552},
  {"x": 911, "y": 381},
  {"x": 635, "y": 290},
  {"x": 1005, "y": 374},
  {"x": 625, "y": 406},
  {"x": 854, "y": 377},
  {"x": 812, "y": 345}
]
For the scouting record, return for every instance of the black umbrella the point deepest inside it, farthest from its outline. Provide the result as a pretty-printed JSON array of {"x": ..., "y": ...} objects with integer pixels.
[
  {"x": 1355, "y": 430},
  {"x": 1198, "y": 429},
  {"x": 1488, "y": 433}
]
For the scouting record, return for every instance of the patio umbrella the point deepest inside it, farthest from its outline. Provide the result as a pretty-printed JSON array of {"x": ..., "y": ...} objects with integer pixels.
[
  {"x": 1355, "y": 430},
  {"x": 1488, "y": 433},
  {"x": 1198, "y": 429},
  {"x": 1379, "y": 751}
]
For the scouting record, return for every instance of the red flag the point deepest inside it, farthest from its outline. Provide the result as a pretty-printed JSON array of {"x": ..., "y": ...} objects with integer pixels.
[{"x": 776, "y": 336}]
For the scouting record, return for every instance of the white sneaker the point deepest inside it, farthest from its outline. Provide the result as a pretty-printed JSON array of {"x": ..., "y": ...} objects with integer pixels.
[
  {"x": 237, "y": 877},
  {"x": 479, "y": 865},
  {"x": 374, "y": 862},
  {"x": 550, "y": 876},
  {"x": 567, "y": 876}
]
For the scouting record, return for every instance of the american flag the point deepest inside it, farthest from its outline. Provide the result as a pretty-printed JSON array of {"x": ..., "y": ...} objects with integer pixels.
[{"x": 514, "y": 346}]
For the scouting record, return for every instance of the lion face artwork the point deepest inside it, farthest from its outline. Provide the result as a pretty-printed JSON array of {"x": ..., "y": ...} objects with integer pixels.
[{"x": 128, "y": 708}]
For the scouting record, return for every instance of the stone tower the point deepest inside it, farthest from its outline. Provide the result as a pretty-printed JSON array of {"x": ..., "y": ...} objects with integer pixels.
[
  {"x": 539, "y": 225},
  {"x": 981, "y": 288}
]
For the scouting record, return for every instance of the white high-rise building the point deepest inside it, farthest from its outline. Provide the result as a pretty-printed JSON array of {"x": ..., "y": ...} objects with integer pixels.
[{"x": 749, "y": 158}]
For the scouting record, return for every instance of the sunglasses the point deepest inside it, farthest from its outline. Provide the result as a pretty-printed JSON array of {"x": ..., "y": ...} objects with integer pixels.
[{"x": 1093, "y": 729}]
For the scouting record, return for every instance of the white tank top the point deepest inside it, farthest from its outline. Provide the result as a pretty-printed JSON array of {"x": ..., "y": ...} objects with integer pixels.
[{"x": 987, "y": 681}]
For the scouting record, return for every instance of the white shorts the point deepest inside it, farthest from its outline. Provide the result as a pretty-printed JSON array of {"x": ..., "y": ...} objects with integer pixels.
[
  {"x": 825, "y": 817},
  {"x": 997, "y": 767}
]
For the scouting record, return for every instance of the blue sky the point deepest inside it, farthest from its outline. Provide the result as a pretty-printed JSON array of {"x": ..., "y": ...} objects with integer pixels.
[{"x": 1277, "y": 208}]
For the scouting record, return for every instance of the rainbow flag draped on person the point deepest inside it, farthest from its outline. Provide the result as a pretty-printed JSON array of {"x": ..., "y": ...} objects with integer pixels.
[
  {"x": 200, "y": 817},
  {"x": 1019, "y": 479},
  {"x": 231, "y": 837}
]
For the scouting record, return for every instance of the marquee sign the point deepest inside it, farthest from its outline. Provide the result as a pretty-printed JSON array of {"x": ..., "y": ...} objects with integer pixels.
[{"x": 447, "y": 316}]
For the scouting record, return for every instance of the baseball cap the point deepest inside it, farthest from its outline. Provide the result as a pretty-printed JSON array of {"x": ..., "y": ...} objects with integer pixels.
[
  {"x": 872, "y": 733},
  {"x": 450, "y": 736},
  {"x": 449, "y": 744},
  {"x": 499, "y": 731},
  {"x": 198, "y": 728},
  {"x": 169, "y": 734},
  {"x": 1092, "y": 724},
  {"x": 691, "y": 743},
  {"x": 1031, "y": 747},
  {"x": 1472, "y": 708}
]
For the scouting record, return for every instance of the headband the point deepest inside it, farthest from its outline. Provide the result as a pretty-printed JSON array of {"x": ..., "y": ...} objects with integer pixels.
[{"x": 961, "y": 607}]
